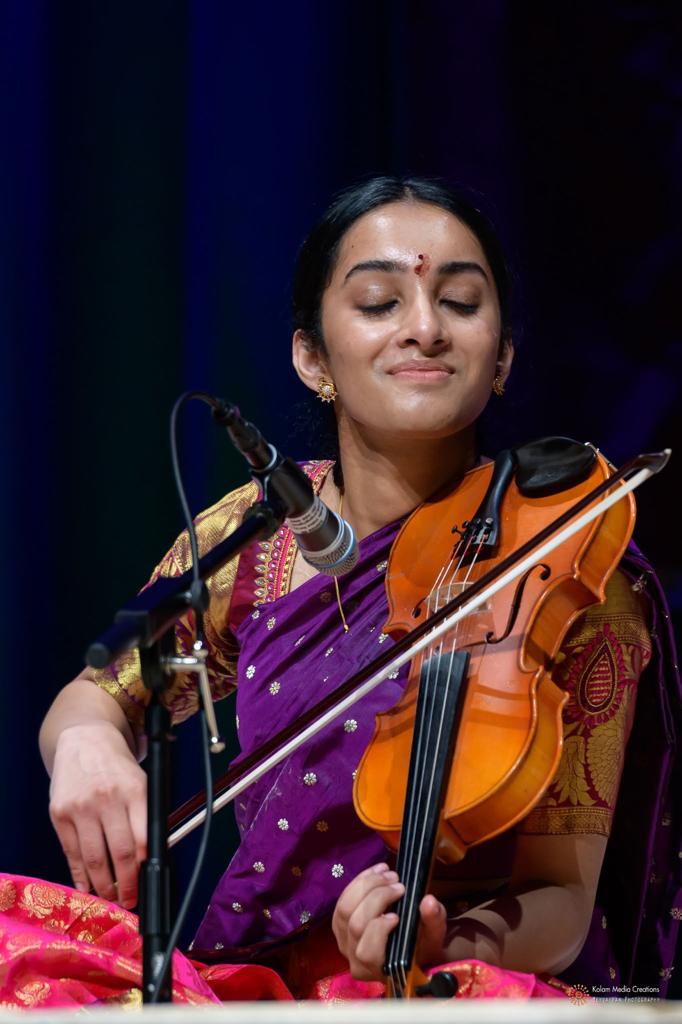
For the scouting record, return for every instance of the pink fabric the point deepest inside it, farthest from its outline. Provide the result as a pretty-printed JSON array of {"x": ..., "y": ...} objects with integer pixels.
[
  {"x": 60, "y": 947},
  {"x": 476, "y": 981}
]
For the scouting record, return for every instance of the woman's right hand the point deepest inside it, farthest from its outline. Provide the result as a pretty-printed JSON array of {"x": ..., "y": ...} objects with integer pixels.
[{"x": 98, "y": 807}]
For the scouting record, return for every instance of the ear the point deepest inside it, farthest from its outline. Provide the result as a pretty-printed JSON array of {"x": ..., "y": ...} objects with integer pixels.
[
  {"x": 505, "y": 357},
  {"x": 308, "y": 360}
]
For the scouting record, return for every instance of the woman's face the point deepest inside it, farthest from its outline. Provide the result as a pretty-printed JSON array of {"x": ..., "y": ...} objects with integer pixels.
[{"x": 411, "y": 324}]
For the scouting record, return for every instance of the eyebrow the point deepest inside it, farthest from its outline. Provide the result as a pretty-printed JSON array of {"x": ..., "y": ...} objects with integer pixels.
[{"x": 394, "y": 267}]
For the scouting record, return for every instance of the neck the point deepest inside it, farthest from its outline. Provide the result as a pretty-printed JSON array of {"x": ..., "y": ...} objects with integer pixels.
[{"x": 386, "y": 480}]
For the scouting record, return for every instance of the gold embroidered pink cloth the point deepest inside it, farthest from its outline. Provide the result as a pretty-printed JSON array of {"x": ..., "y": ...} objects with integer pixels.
[{"x": 61, "y": 948}]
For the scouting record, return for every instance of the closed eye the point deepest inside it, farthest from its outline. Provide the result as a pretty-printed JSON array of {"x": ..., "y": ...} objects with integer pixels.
[
  {"x": 467, "y": 308},
  {"x": 377, "y": 310},
  {"x": 462, "y": 307}
]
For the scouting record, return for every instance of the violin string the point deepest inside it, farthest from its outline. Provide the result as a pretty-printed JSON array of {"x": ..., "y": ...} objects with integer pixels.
[
  {"x": 417, "y": 835},
  {"x": 427, "y": 793},
  {"x": 409, "y": 809},
  {"x": 417, "y": 806},
  {"x": 417, "y": 830},
  {"x": 433, "y": 602},
  {"x": 448, "y": 568},
  {"x": 412, "y": 810},
  {"x": 407, "y": 838},
  {"x": 472, "y": 565},
  {"x": 416, "y": 827}
]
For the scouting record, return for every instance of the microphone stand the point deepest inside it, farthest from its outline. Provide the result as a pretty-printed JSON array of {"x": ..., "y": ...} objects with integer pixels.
[{"x": 146, "y": 623}]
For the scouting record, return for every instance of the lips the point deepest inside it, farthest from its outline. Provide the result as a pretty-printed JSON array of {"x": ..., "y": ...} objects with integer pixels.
[{"x": 420, "y": 368}]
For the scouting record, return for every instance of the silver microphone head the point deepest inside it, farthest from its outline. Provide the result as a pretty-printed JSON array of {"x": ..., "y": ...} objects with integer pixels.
[
  {"x": 340, "y": 557},
  {"x": 325, "y": 540},
  {"x": 336, "y": 558}
]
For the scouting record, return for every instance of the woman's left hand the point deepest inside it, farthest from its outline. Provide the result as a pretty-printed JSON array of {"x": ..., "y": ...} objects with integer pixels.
[{"x": 362, "y": 923}]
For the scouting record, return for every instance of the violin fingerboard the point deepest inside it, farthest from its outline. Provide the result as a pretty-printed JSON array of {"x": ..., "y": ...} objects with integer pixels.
[{"x": 439, "y": 705}]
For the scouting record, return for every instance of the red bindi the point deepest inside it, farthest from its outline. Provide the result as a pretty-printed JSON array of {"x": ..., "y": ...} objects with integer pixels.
[{"x": 422, "y": 265}]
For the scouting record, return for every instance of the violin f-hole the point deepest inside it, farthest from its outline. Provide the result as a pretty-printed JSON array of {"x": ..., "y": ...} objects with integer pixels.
[{"x": 546, "y": 572}]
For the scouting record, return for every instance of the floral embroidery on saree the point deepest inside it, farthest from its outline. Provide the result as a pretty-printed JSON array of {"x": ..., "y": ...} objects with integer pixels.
[
  {"x": 599, "y": 665},
  {"x": 275, "y": 559}
]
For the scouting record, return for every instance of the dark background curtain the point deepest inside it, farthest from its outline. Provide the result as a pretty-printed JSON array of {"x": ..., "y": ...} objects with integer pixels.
[{"x": 162, "y": 162}]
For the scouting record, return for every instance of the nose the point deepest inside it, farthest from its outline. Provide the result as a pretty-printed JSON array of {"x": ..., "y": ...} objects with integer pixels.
[{"x": 423, "y": 325}]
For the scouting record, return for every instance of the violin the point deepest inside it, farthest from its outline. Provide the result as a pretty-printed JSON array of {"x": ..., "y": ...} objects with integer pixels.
[{"x": 476, "y": 737}]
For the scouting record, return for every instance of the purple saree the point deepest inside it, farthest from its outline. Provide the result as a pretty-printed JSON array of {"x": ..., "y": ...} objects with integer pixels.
[{"x": 301, "y": 842}]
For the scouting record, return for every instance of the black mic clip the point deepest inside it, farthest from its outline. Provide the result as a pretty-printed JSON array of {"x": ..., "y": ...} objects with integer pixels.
[
  {"x": 326, "y": 541},
  {"x": 247, "y": 438},
  {"x": 283, "y": 482}
]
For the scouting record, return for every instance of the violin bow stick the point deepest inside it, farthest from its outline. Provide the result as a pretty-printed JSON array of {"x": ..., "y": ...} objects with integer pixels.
[{"x": 629, "y": 476}]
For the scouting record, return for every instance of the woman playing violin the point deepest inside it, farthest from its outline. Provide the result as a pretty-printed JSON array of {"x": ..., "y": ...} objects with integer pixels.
[{"x": 401, "y": 319}]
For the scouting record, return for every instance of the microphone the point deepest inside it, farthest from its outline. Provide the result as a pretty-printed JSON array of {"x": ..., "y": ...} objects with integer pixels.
[{"x": 326, "y": 541}]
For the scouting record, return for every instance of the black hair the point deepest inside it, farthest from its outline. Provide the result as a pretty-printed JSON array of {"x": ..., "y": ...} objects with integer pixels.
[{"x": 318, "y": 254}]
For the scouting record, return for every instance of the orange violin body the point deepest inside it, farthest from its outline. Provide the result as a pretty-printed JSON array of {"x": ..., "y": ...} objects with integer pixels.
[{"x": 510, "y": 734}]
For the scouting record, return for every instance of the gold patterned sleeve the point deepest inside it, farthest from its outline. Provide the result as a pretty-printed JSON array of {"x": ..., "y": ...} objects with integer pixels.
[
  {"x": 599, "y": 666},
  {"x": 122, "y": 678}
]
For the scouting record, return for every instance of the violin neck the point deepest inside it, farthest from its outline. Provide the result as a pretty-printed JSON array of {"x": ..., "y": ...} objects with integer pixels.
[{"x": 439, "y": 704}]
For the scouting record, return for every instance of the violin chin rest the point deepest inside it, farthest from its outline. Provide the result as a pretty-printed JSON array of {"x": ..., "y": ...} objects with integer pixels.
[{"x": 551, "y": 465}]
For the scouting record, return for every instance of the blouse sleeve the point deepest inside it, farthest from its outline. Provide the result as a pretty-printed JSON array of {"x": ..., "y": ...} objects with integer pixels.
[
  {"x": 599, "y": 666},
  {"x": 122, "y": 678}
]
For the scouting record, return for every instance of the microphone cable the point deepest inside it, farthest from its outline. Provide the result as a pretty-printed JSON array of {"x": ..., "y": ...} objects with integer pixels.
[
  {"x": 199, "y": 619},
  {"x": 252, "y": 444}
]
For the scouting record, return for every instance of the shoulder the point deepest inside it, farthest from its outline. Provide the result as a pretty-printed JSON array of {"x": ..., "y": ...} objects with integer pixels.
[
  {"x": 225, "y": 516},
  {"x": 222, "y": 518},
  {"x": 213, "y": 525}
]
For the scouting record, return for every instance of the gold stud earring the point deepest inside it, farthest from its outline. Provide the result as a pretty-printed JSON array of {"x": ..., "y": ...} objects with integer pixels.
[
  {"x": 498, "y": 385},
  {"x": 326, "y": 391}
]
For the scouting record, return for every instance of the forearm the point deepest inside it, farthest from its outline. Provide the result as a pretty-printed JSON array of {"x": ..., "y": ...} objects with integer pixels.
[
  {"x": 80, "y": 703},
  {"x": 540, "y": 930}
]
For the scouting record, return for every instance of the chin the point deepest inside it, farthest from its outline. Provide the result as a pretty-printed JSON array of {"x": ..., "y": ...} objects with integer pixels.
[
  {"x": 419, "y": 421},
  {"x": 419, "y": 429},
  {"x": 433, "y": 420}
]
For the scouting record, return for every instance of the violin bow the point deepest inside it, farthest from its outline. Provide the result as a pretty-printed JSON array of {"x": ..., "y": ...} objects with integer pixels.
[{"x": 238, "y": 778}]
